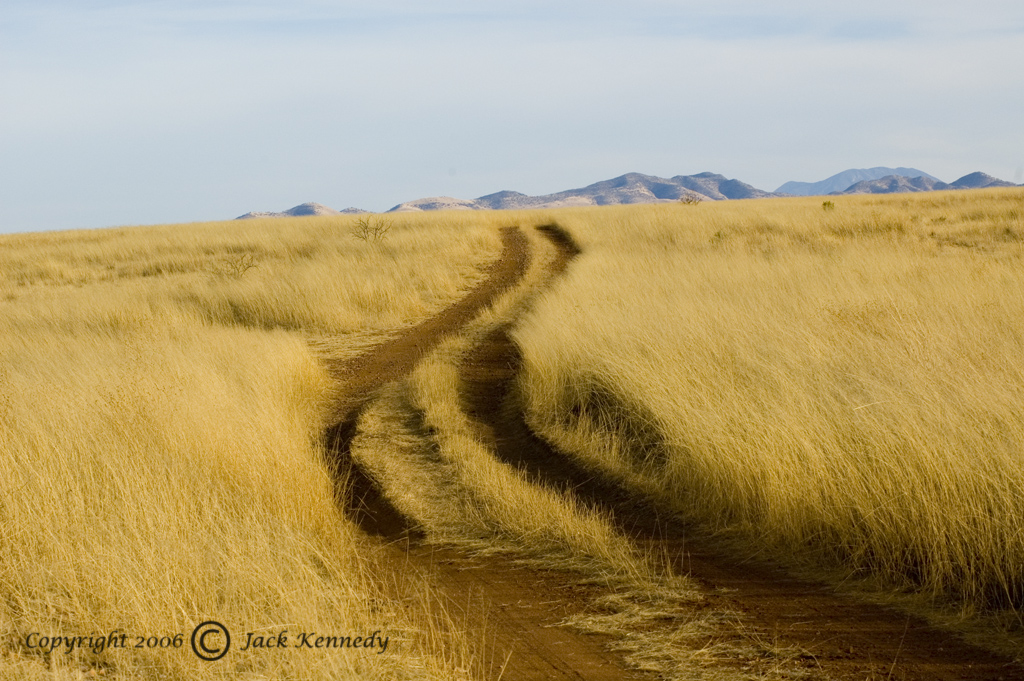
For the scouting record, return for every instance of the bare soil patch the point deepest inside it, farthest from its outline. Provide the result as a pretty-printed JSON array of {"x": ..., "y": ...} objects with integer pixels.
[{"x": 515, "y": 613}]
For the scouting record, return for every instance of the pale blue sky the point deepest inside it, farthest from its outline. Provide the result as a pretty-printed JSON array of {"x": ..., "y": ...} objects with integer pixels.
[{"x": 116, "y": 112}]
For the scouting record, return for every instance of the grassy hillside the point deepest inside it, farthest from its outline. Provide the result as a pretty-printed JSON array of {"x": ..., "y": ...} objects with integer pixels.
[{"x": 840, "y": 384}]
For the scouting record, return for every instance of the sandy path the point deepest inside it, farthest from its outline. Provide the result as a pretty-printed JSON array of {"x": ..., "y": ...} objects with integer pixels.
[
  {"x": 515, "y": 612},
  {"x": 516, "y": 609}
]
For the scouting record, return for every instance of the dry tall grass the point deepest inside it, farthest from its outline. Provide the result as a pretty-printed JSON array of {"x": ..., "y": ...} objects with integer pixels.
[
  {"x": 844, "y": 385},
  {"x": 160, "y": 426}
]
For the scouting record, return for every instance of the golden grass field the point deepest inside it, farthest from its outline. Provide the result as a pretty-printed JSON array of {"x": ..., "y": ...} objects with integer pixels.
[
  {"x": 843, "y": 385},
  {"x": 840, "y": 386},
  {"x": 160, "y": 431}
]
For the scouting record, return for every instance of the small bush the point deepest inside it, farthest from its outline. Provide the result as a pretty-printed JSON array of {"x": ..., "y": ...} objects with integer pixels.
[
  {"x": 236, "y": 266},
  {"x": 371, "y": 228}
]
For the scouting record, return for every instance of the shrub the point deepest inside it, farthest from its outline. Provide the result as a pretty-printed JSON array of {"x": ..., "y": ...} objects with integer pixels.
[{"x": 371, "y": 228}]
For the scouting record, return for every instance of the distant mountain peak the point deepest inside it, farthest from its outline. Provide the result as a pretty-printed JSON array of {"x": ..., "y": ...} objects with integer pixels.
[
  {"x": 979, "y": 180},
  {"x": 506, "y": 194},
  {"x": 893, "y": 184},
  {"x": 434, "y": 203},
  {"x": 841, "y": 181},
  {"x": 301, "y": 210}
]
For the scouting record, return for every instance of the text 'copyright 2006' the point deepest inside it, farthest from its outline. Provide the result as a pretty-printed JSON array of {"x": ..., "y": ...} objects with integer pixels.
[{"x": 210, "y": 641}]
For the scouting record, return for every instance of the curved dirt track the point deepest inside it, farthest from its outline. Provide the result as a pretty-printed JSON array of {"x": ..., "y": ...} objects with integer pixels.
[
  {"x": 513, "y": 611},
  {"x": 360, "y": 377},
  {"x": 517, "y": 608}
]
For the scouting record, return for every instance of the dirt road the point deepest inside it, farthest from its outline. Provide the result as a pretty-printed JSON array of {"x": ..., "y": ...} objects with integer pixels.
[{"x": 833, "y": 637}]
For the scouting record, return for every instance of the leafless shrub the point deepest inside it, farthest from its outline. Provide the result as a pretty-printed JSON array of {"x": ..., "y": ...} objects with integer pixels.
[
  {"x": 236, "y": 266},
  {"x": 371, "y": 228}
]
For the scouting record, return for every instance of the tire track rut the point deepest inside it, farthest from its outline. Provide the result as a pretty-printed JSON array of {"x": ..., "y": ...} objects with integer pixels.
[{"x": 361, "y": 376}]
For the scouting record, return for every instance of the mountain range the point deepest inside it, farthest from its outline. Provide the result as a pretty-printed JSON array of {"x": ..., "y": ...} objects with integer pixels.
[
  {"x": 892, "y": 184},
  {"x": 638, "y": 188},
  {"x": 628, "y": 188}
]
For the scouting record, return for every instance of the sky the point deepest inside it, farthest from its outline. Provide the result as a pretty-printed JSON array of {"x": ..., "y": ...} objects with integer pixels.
[{"x": 121, "y": 112}]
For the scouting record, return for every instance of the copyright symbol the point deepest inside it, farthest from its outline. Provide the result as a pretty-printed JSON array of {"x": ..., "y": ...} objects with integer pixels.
[{"x": 205, "y": 641}]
